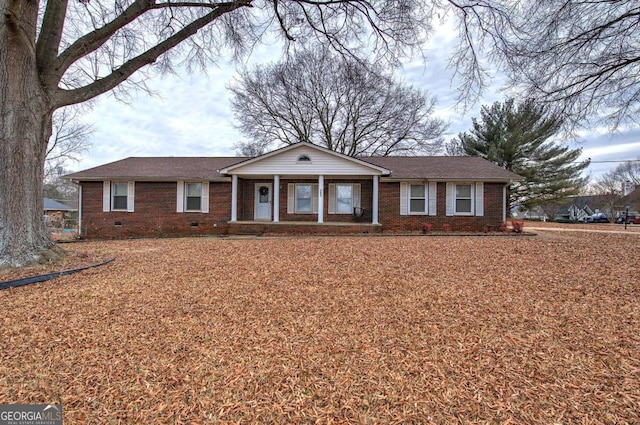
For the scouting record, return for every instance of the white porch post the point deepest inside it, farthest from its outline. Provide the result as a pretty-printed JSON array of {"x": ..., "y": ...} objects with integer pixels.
[
  {"x": 79, "y": 209},
  {"x": 234, "y": 198},
  {"x": 320, "y": 199},
  {"x": 374, "y": 210},
  {"x": 276, "y": 198}
]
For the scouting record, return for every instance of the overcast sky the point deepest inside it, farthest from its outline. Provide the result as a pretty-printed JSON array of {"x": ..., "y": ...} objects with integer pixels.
[{"x": 190, "y": 114}]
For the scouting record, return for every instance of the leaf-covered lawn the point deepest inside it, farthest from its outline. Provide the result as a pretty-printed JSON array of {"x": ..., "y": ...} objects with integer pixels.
[{"x": 450, "y": 329}]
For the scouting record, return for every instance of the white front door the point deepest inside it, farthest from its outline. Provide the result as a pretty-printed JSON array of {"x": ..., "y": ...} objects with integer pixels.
[{"x": 263, "y": 201}]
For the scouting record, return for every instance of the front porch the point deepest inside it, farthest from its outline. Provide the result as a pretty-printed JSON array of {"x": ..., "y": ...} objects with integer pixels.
[
  {"x": 307, "y": 184},
  {"x": 335, "y": 199},
  {"x": 252, "y": 227}
]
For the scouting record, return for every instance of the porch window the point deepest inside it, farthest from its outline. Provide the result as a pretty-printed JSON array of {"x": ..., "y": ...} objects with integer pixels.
[
  {"x": 193, "y": 196},
  {"x": 418, "y": 199},
  {"x": 304, "y": 198},
  {"x": 120, "y": 193},
  {"x": 463, "y": 202},
  {"x": 344, "y": 199}
]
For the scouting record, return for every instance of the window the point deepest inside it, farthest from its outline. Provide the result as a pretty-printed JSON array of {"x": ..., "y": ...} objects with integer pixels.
[
  {"x": 463, "y": 202},
  {"x": 304, "y": 158},
  {"x": 193, "y": 195},
  {"x": 417, "y": 199},
  {"x": 119, "y": 192},
  {"x": 304, "y": 194},
  {"x": 344, "y": 199}
]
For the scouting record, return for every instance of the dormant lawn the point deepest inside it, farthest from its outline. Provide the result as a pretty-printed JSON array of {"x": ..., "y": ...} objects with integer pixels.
[{"x": 450, "y": 329}]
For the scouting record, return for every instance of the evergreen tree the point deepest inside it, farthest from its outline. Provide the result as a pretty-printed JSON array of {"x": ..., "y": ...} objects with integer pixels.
[{"x": 519, "y": 138}]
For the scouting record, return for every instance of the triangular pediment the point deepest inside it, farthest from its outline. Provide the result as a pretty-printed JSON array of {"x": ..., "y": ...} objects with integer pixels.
[{"x": 304, "y": 159}]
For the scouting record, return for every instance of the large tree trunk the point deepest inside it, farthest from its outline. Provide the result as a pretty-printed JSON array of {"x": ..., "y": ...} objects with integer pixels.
[{"x": 25, "y": 127}]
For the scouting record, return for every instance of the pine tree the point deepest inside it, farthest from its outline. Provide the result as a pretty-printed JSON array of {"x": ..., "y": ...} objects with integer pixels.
[{"x": 519, "y": 138}]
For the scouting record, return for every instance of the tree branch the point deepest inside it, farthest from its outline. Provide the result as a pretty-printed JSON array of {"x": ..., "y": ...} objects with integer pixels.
[
  {"x": 281, "y": 21},
  {"x": 93, "y": 40},
  {"x": 49, "y": 39},
  {"x": 69, "y": 97}
]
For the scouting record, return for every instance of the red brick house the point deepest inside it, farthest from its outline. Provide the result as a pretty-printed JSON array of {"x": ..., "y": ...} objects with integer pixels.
[{"x": 301, "y": 188}]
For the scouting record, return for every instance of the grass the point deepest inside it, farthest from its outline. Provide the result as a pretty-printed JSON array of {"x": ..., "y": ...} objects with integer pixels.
[{"x": 334, "y": 330}]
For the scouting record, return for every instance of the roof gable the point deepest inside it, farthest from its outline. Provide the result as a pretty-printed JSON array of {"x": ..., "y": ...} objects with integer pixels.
[{"x": 305, "y": 159}]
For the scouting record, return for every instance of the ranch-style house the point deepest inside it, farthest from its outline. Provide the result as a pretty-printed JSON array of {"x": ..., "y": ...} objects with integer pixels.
[{"x": 299, "y": 189}]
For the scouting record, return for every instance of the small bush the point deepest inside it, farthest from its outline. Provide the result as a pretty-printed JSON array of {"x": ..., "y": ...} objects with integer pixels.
[{"x": 518, "y": 226}]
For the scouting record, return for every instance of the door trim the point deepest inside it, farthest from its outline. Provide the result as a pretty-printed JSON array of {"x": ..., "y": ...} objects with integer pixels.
[{"x": 256, "y": 197}]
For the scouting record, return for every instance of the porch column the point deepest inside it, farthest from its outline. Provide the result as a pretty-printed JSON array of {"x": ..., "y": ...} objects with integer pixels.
[
  {"x": 276, "y": 198},
  {"x": 320, "y": 199},
  {"x": 234, "y": 198},
  {"x": 79, "y": 209},
  {"x": 374, "y": 207}
]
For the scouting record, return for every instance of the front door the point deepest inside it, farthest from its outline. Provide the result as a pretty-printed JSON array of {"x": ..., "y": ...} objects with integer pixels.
[{"x": 263, "y": 201}]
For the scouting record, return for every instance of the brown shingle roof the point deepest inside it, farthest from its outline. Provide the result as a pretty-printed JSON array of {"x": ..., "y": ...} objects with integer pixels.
[
  {"x": 402, "y": 167},
  {"x": 157, "y": 168},
  {"x": 443, "y": 168}
]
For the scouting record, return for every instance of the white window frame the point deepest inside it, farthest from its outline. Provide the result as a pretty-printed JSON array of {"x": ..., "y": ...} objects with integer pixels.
[
  {"x": 471, "y": 198},
  {"x": 356, "y": 197},
  {"x": 425, "y": 198},
  {"x": 108, "y": 194},
  {"x": 186, "y": 197},
  {"x": 351, "y": 199},
  {"x": 182, "y": 192},
  {"x": 125, "y": 196},
  {"x": 297, "y": 210}
]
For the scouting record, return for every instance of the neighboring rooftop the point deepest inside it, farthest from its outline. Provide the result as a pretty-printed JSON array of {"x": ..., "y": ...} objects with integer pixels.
[{"x": 53, "y": 205}]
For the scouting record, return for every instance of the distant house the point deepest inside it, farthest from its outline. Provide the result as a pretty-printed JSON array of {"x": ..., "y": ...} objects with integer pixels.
[
  {"x": 52, "y": 206},
  {"x": 576, "y": 208},
  {"x": 55, "y": 213},
  {"x": 301, "y": 188}
]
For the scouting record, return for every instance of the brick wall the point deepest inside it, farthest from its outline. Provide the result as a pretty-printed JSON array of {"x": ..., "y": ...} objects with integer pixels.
[
  {"x": 291, "y": 228},
  {"x": 155, "y": 213},
  {"x": 390, "y": 218}
]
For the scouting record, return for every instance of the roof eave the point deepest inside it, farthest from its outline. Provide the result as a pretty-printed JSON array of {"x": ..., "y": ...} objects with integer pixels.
[{"x": 148, "y": 179}]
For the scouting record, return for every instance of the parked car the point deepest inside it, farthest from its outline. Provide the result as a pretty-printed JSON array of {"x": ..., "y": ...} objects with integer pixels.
[
  {"x": 631, "y": 219},
  {"x": 597, "y": 218}
]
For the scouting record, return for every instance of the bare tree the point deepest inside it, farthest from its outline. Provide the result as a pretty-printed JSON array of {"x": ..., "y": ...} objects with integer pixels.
[
  {"x": 350, "y": 106},
  {"x": 65, "y": 52},
  {"x": 69, "y": 140},
  {"x": 627, "y": 174},
  {"x": 581, "y": 57}
]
